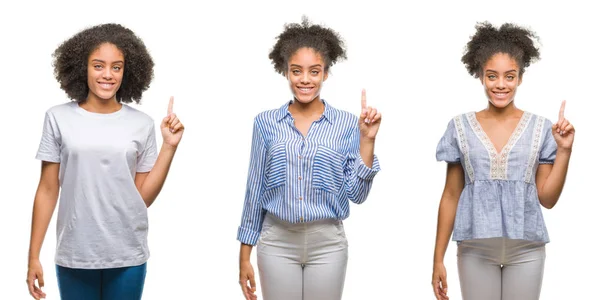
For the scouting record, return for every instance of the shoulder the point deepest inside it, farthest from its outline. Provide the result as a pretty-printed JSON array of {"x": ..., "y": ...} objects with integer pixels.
[
  {"x": 542, "y": 121},
  {"x": 137, "y": 114},
  {"x": 267, "y": 116},
  {"x": 342, "y": 116},
  {"x": 458, "y": 119},
  {"x": 62, "y": 108}
]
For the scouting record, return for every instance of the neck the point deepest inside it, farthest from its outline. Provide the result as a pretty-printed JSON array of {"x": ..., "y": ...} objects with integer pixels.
[
  {"x": 315, "y": 107},
  {"x": 502, "y": 112},
  {"x": 102, "y": 106}
]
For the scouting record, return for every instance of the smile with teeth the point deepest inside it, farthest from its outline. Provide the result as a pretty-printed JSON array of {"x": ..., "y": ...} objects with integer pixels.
[
  {"x": 501, "y": 94},
  {"x": 106, "y": 85},
  {"x": 305, "y": 89}
]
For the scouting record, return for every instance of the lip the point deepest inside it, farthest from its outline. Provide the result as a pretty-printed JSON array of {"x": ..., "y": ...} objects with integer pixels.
[
  {"x": 501, "y": 95},
  {"x": 305, "y": 89},
  {"x": 106, "y": 85}
]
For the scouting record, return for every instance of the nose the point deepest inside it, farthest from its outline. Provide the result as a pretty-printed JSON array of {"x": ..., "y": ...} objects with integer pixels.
[
  {"x": 500, "y": 83},
  {"x": 106, "y": 73},
  {"x": 305, "y": 78}
]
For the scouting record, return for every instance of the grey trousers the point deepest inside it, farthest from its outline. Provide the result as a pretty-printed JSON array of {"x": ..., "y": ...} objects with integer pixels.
[
  {"x": 304, "y": 261},
  {"x": 501, "y": 269}
]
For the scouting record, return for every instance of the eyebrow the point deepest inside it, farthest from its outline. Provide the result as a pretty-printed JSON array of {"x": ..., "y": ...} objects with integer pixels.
[
  {"x": 115, "y": 62},
  {"x": 513, "y": 70},
  {"x": 299, "y": 66}
]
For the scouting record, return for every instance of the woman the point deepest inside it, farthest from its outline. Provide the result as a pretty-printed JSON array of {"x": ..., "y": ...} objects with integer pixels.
[
  {"x": 102, "y": 156},
  {"x": 502, "y": 164},
  {"x": 308, "y": 161}
]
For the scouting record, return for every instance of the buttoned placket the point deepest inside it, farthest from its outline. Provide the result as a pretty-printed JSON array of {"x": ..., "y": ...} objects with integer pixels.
[{"x": 301, "y": 165}]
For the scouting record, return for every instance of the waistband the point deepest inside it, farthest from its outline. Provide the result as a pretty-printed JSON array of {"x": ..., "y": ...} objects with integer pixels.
[{"x": 300, "y": 227}]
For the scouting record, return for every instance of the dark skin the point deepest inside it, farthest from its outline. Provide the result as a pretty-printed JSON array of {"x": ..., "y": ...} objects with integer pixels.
[
  {"x": 305, "y": 76},
  {"x": 498, "y": 121}
]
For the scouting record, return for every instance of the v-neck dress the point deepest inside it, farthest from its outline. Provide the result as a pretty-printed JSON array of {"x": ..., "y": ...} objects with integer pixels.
[{"x": 500, "y": 196}]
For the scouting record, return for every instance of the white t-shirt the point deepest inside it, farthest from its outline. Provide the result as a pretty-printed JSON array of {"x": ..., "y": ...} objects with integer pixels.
[{"x": 102, "y": 219}]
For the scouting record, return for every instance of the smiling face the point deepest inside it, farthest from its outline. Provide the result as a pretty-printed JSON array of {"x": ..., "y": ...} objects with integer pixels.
[
  {"x": 306, "y": 74},
  {"x": 105, "y": 72},
  {"x": 500, "y": 79}
]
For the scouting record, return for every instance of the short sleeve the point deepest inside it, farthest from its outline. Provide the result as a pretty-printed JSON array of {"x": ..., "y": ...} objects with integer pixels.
[
  {"x": 447, "y": 148},
  {"x": 548, "y": 149},
  {"x": 147, "y": 157},
  {"x": 49, "y": 148}
]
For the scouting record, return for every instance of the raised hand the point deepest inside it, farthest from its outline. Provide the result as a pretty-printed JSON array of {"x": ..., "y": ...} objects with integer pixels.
[
  {"x": 171, "y": 128},
  {"x": 563, "y": 131},
  {"x": 369, "y": 120}
]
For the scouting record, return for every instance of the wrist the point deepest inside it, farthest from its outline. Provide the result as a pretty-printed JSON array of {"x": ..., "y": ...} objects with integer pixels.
[
  {"x": 367, "y": 140},
  {"x": 168, "y": 147},
  {"x": 564, "y": 151}
]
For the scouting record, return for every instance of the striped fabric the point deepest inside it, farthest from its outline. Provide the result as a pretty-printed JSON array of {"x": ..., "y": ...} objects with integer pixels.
[{"x": 303, "y": 179}]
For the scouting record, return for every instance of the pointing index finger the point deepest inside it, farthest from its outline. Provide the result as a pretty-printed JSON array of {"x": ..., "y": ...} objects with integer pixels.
[
  {"x": 561, "y": 113},
  {"x": 363, "y": 99},
  {"x": 170, "y": 109}
]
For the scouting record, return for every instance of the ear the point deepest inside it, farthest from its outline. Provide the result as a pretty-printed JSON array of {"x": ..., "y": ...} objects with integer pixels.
[
  {"x": 325, "y": 75},
  {"x": 520, "y": 80}
]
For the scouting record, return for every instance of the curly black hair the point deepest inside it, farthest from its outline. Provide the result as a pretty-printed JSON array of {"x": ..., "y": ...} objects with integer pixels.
[
  {"x": 71, "y": 62},
  {"x": 518, "y": 42},
  {"x": 324, "y": 41}
]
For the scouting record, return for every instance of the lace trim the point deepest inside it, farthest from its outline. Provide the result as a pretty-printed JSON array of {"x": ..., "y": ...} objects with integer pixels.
[
  {"x": 535, "y": 147},
  {"x": 499, "y": 161},
  {"x": 464, "y": 146}
]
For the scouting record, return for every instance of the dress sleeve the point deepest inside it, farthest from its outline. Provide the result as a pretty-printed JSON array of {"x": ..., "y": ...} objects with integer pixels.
[
  {"x": 447, "y": 148},
  {"x": 548, "y": 149}
]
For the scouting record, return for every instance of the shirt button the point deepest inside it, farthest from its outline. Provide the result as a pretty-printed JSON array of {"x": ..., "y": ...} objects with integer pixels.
[
  {"x": 300, "y": 198},
  {"x": 300, "y": 156},
  {"x": 301, "y": 219},
  {"x": 299, "y": 177}
]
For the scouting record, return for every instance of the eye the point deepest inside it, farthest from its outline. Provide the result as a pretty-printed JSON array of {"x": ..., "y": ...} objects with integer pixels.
[
  {"x": 97, "y": 66},
  {"x": 295, "y": 72},
  {"x": 510, "y": 77},
  {"x": 491, "y": 77},
  {"x": 314, "y": 72},
  {"x": 117, "y": 68}
]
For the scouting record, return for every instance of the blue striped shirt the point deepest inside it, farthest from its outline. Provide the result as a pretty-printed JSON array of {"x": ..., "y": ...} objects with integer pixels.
[{"x": 303, "y": 179}]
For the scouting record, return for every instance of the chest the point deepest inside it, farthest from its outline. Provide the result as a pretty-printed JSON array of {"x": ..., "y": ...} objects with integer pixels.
[
  {"x": 499, "y": 152},
  {"x": 109, "y": 143},
  {"x": 498, "y": 133}
]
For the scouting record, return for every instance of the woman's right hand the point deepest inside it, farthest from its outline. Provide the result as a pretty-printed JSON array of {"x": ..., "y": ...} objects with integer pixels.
[
  {"x": 439, "y": 283},
  {"x": 247, "y": 274},
  {"x": 34, "y": 271}
]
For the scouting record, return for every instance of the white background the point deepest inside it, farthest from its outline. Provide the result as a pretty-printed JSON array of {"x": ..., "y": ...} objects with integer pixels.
[{"x": 213, "y": 59}]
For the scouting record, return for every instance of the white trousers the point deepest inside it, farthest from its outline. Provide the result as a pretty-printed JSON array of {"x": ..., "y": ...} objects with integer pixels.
[
  {"x": 501, "y": 269},
  {"x": 305, "y": 261}
]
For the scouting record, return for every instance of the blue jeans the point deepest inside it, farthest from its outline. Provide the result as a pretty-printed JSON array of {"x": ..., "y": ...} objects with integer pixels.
[{"x": 100, "y": 284}]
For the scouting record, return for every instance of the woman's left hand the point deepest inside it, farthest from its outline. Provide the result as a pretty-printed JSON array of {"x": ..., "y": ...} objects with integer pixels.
[
  {"x": 171, "y": 128},
  {"x": 369, "y": 120},
  {"x": 563, "y": 131}
]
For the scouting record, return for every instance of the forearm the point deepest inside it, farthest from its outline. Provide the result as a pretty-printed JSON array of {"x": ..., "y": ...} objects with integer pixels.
[
  {"x": 554, "y": 183},
  {"x": 245, "y": 251},
  {"x": 43, "y": 208},
  {"x": 367, "y": 151},
  {"x": 446, "y": 214},
  {"x": 155, "y": 180}
]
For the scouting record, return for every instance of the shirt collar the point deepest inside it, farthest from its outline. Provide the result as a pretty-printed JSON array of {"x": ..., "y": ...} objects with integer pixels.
[{"x": 328, "y": 113}]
